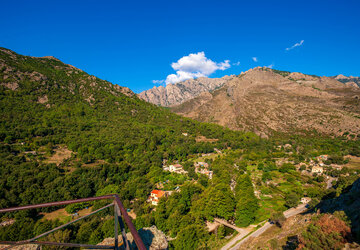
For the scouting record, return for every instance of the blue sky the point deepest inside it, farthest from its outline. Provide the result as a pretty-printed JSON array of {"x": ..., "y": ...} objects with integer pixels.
[{"x": 132, "y": 43}]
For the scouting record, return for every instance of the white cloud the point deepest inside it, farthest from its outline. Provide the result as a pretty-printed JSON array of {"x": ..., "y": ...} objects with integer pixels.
[
  {"x": 255, "y": 59},
  {"x": 158, "y": 82},
  {"x": 193, "y": 66},
  {"x": 236, "y": 64},
  {"x": 270, "y": 66},
  {"x": 296, "y": 45}
]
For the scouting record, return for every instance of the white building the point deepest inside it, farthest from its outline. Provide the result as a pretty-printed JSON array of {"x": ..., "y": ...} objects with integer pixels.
[
  {"x": 305, "y": 200},
  {"x": 177, "y": 168},
  {"x": 317, "y": 169},
  {"x": 155, "y": 196}
]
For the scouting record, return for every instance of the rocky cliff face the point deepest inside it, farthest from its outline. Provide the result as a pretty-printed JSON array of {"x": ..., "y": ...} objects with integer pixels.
[
  {"x": 174, "y": 94},
  {"x": 267, "y": 101},
  {"x": 349, "y": 202},
  {"x": 153, "y": 239}
]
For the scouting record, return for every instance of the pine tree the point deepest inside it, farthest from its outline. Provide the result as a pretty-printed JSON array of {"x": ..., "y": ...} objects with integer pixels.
[{"x": 247, "y": 203}]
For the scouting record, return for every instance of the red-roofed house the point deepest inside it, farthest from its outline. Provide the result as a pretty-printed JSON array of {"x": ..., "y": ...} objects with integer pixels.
[{"x": 155, "y": 196}]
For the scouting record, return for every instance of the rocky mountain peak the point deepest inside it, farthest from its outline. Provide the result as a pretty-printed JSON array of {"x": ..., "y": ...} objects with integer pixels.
[
  {"x": 341, "y": 77},
  {"x": 174, "y": 94}
]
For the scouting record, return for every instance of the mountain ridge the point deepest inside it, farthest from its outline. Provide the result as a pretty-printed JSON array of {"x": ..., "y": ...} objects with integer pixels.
[
  {"x": 13, "y": 74},
  {"x": 175, "y": 94},
  {"x": 267, "y": 101},
  {"x": 178, "y": 93}
]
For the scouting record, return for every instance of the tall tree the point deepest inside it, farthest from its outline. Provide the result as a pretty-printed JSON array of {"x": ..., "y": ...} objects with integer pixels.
[
  {"x": 247, "y": 203},
  {"x": 191, "y": 237}
]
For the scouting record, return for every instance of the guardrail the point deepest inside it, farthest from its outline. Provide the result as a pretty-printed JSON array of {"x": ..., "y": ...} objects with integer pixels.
[{"x": 119, "y": 213}]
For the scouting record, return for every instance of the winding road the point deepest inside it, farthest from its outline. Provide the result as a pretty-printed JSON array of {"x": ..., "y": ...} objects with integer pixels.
[{"x": 236, "y": 242}]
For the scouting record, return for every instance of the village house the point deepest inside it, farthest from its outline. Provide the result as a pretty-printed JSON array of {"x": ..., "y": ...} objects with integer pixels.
[
  {"x": 165, "y": 166},
  {"x": 322, "y": 158},
  {"x": 305, "y": 200},
  {"x": 206, "y": 172},
  {"x": 177, "y": 168},
  {"x": 201, "y": 164},
  {"x": 155, "y": 196},
  {"x": 312, "y": 163},
  {"x": 317, "y": 169},
  {"x": 202, "y": 168}
]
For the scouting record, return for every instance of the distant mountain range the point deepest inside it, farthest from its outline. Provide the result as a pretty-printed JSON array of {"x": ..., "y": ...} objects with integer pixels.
[
  {"x": 348, "y": 80},
  {"x": 267, "y": 101},
  {"x": 174, "y": 94}
]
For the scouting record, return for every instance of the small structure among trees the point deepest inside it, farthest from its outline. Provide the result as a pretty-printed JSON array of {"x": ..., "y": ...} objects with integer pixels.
[
  {"x": 203, "y": 168},
  {"x": 317, "y": 169},
  {"x": 155, "y": 196},
  {"x": 177, "y": 168}
]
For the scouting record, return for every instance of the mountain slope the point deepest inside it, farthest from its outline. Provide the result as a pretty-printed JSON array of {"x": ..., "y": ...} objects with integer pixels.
[
  {"x": 44, "y": 103},
  {"x": 174, "y": 94},
  {"x": 267, "y": 101}
]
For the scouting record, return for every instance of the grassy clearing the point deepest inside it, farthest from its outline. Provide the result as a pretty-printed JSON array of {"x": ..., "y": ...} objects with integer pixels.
[
  {"x": 268, "y": 205},
  {"x": 212, "y": 156},
  {"x": 62, "y": 215},
  {"x": 61, "y": 153},
  {"x": 354, "y": 162}
]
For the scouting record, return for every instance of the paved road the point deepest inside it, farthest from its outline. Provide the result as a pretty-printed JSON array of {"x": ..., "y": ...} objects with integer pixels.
[
  {"x": 288, "y": 213},
  {"x": 294, "y": 211},
  {"x": 237, "y": 238}
]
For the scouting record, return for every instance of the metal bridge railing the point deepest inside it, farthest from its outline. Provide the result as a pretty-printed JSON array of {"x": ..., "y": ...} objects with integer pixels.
[{"x": 119, "y": 214}]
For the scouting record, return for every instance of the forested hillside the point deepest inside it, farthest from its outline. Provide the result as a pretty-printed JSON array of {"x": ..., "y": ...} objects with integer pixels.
[
  {"x": 52, "y": 103},
  {"x": 65, "y": 134},
  {"x": 115, "y": 138}
]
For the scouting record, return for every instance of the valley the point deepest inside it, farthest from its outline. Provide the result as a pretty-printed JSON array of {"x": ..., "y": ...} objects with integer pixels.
[{"x": 261, "y": 143}]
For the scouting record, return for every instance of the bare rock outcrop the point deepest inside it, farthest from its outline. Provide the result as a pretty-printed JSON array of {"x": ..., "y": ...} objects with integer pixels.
[
  {"x": 125, "y": 90},
  {"x": 174, "y": 94},
  {"x": 153, "y": 239}
]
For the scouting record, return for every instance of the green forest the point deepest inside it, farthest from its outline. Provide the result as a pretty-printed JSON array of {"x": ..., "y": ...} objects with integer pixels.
[{"x": 118, "y": 144}]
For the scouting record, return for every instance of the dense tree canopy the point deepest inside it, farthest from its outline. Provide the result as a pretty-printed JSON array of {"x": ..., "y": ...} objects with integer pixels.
[
  {"x": 247, "y": 203},
  {"x": 118, "y": 144}
]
